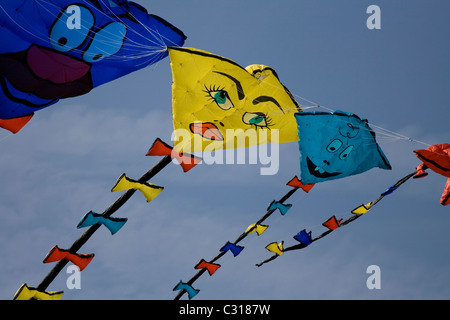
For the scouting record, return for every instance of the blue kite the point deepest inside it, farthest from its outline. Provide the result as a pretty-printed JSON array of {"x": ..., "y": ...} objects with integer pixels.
[
  {"x": 335, "y": 145},
  {"x": 55, "y": 49}
]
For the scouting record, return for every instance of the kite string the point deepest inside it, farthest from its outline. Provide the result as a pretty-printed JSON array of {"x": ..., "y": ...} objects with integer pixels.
[{"x": 380, "y": 130}]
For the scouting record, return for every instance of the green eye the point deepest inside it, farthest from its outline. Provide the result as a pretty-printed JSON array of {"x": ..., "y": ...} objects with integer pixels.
[
  {"x": 222, "y": 99},
  {"x": 258, "y": 119}
]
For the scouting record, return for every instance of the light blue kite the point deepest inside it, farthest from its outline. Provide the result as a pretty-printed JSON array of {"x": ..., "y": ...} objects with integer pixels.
[{"x": 335, "y": 145}]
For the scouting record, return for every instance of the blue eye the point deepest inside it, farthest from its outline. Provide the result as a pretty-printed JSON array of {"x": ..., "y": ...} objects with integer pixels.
[
  {"x": 106, "y": 42},
  {"x": 344, "y": 154},
  {"x": 71, "y": 28},
  {"x": 334, "y": 146}
]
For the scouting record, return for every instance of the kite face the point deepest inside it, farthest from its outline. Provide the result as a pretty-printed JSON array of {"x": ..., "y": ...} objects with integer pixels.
[
  {"x": 216, "y": 101},
  {"x": 336, "y": 145},
  {"x": 64, "y": 48}
]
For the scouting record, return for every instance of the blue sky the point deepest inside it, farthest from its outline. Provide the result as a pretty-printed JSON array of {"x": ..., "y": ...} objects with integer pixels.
[{"x": 66, "y": 160}]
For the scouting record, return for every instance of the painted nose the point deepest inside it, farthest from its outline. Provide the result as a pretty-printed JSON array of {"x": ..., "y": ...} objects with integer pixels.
[{"x": 54, "y": 66}]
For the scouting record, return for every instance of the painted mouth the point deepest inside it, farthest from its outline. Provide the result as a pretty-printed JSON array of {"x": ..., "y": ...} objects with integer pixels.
[
  {"x": 319, "y": 172},
  {"x": 18, "y": 96},
  {"x": 47, "y": 74},
  {"x": 207, "y": 130}
]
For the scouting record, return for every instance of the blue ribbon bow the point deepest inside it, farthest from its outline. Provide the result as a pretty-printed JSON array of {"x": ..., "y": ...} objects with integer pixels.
[
  {"x": 91, "y": 218},
  {"x": 284, "y": 208},
  {"x": 188, "y": 288},
  {"x": 235, "y": 249},
  {"x": 304, "y": 237}
]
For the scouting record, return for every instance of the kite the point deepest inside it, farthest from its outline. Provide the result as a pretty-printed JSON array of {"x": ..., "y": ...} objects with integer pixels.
[
  {"x": 217, "y": 104},
  {"x": 56, "y": 49},
  {"x": 335, "y": 145},
  {"x": 437, "y": 158}
]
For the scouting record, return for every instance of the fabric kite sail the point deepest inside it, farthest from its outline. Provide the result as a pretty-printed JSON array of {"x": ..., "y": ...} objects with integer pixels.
[
  {"x": 437, "y": 158},
  {"x": 217, "y": 104},
  {"x": 335, "y": 145},
  {"x": 57, "y": 49}
]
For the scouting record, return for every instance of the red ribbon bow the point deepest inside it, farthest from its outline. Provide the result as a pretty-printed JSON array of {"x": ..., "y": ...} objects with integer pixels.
[
  {"x": 57, "y": 254},
  {"x": 296, "y": 183},
  {"x": 160, "y": 148},
  {"x": 332, "y": 223},
  {"x": 211, "y": 267}
]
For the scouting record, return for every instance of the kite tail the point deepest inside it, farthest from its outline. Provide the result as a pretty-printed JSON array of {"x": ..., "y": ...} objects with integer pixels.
[
  {"x": 257, "y": 227},
  {"x": 332, "y": 223},
  {"x": 94, "y": 221}
]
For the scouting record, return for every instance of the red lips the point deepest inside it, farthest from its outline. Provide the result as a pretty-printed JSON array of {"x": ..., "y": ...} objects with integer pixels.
[
  {"x": 54, "y": 66},
  {"x": 207, "y": 130}
]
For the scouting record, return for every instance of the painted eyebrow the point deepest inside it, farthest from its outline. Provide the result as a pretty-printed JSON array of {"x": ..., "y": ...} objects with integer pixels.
[
  {"x": 240, "y": 91},
  {"x": 262, "y": 99}
]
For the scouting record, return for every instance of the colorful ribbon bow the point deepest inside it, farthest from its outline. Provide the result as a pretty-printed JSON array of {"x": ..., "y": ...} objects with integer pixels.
[
  {"x": 160, "y": 148},
  {"x": 211, "y": 267},
  {"x": 296, "y": 183},
  {"x": 235, "y": 249},
  {"x": 304, "y": 237},
  {"x": 149, "y": 190},
  {"x": 26, "y": 293},
  {"x": 258, "y": 228},
  {"x": 80, "y": 260},
  {"x": 276, "y": 247},
  {"x": 332, "y": 223},
  {"x": 91, "y": 218},
  {"x": 188, "y": 288},
  {"x": 284, "y": 208},
  {"x": 362, "y": 208}
]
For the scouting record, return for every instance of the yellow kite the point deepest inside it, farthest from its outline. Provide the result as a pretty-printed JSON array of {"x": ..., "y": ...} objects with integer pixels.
[{"x": 217, "y": 104}]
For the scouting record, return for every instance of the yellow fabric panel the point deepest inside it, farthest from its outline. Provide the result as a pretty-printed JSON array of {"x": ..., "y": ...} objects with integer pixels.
[
  {"x": 25, "y": 293},
  {"x": 149, "y": 190},
  {"x": 213, "y": 90}
]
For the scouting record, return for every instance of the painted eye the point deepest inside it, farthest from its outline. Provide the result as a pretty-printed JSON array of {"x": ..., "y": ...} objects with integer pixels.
[
  {"x": 106, "y": 42},
  {"x": 257, "y": 119},
  {"x": 222, "y": 99},
  {"x": 71, "y": 28},
  {"x": 334, "y": 146},
  {"x": 344, "y": 154}
]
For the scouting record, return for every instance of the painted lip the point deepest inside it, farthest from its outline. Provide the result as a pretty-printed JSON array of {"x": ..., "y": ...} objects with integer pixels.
[
  {"x": 319, "y": 172},
  {"x": 207, "y": 130},
  {"x": 45, "y": 83},
  {"x": 54, "y": 66}
]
